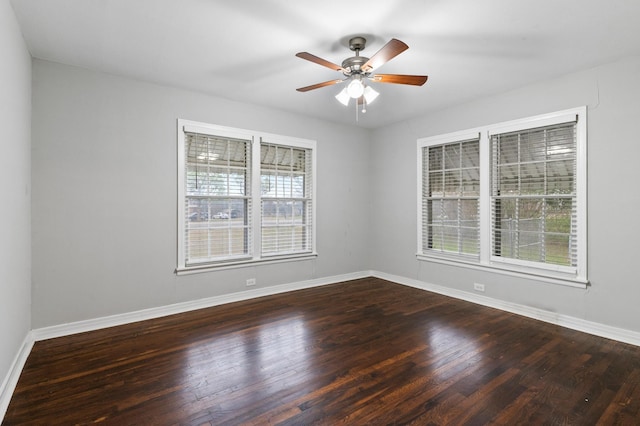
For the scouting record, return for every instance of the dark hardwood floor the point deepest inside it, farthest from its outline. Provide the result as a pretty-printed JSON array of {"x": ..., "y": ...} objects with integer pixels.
[{"x": 362, "y": 352}]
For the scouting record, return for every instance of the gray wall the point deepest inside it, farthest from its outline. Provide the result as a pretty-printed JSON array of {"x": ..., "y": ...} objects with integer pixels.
[
  {"x": 611, "y": 93},
  {"x": 15, "y": 188},
  {"x": 104, "y": 195}
]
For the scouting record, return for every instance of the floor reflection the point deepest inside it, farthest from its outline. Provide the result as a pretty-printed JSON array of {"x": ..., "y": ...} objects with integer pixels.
[
  {"x": 272, "y": 356},
  {"x": 448, "y": 342}
]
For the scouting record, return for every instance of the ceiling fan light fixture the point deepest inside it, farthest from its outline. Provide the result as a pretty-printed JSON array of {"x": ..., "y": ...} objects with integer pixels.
[
  {"x": 370, "y": 94},
  {"x": 343, "y": 97},
  {"x": 355, "y": 89}
]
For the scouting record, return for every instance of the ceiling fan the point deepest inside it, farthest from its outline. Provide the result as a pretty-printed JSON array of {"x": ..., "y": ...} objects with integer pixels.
[{"x": 359, "y": 69}]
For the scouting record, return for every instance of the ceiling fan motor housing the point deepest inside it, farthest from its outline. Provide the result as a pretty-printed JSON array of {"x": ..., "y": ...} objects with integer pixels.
[{"x": 354, "y": 64}]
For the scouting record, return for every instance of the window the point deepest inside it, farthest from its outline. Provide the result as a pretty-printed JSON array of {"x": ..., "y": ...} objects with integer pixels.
[
  {"x": 244, "y": 196},
  {"x": 533, "y": 197},
  {"x": 509, "y": 197},
  {"x": 286, "y": 203},
  {"x": 216, "y": 203},
  {"x": 451, "y": 185}
]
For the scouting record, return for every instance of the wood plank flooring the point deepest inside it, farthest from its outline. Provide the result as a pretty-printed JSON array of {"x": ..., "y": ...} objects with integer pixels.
[{"x": 361, "y": 352}]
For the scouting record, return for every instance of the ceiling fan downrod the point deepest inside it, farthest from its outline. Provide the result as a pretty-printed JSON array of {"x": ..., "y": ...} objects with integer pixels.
[{"x": 353, "y": 65}]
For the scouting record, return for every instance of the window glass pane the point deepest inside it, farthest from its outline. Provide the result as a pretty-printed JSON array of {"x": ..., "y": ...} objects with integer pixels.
[
  {"x": 269, "y": 210},
  {"x": 507, "y": 149},
  {"x": 533, "y": 146},
  {"x": 436, "y": 184},
  {"x": 297, "y": 185},
  {"x": 508, "y": 179},
  {"x": 285, "y": 180},
  {"x": 452, "y": 156},
  {"x": 530, "y": 246},
  {"x": 283, "y": 186},
  {"x": 435, "y": 213},
  {"x": 435, "y": 158},
  {"x": 450, "y": 239},
  {"x": 299, "y": 160},
  {"x": 237, "y": 182},
  {"x": 469, "y": 213},
  {"x": 216, "y": 151},
  {"x": 531, "y": 209},
  {"x": 560, "y": 177},
  {"x": 267, "y": 157},
  {"x": 435, "y": 238},
  {"x": 471, "y": 182},
  {"x": 559, "y": 213},
  {"x": 469, "y": 238},
  {"x": 268, "y": 184},
  {"x": 532, "y": 178},
  {"x": 213, "y": 181},
  {"x": 284, "y": 212},
  {"x": 504, "y": 242},
  {"x": 450, "y": 212},
  {"x": 561, "y": 143},
  {"x": 470, "y": 154},
  {"x": 298, "y": 212},
  {"x": 557, "y": 249},
  {"x": 452, "y": 182},
  {"x": 283, "y": 158},
  {"x": 507, "y": 210},
  {"x": 194, "y": 182}
]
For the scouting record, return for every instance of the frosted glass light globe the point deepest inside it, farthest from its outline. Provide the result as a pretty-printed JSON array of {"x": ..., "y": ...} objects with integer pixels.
[{"x": 355, "y": 89}]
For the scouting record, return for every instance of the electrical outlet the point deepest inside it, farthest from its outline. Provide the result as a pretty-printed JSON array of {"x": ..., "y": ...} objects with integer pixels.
[
  {"x": 478, "y": 287},
  {"x": 251, "y": 281}
]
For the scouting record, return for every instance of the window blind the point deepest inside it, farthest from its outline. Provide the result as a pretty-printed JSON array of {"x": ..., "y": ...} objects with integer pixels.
[
  {"x": 286, "y": 198},
  {"x": 533, "y": 195},
  {"x": 450, "y": 198},
  {"x": 217, "y": 199}
]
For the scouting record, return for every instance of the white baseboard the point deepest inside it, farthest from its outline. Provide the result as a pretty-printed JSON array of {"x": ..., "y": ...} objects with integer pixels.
[
  {"x": 177, "y": 308},
  {"x": 590, "y": 327},
  {"x": 11, "y": 380}
]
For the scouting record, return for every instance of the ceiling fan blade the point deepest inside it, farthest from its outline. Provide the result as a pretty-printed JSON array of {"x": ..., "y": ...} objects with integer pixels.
[
  {"x": 319, "y": 85},
  {"x": 415, "y": 80},
  {"x": 313, "y": 58},
  {"x": 388, "y": 52}
]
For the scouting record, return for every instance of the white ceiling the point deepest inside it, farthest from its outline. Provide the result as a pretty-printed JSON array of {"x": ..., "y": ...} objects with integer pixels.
[{"x": 244, "y": 49}]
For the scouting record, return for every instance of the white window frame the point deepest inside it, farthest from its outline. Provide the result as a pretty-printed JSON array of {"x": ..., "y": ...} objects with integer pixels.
[
  {"x": 255, "y": 138},
  {"x": 571, "y": 276}
]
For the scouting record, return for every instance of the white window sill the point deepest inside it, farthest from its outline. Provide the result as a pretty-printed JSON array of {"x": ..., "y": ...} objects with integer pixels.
[
  {"x": 209, "y": 267},
  {"x": 504, "y": 269}
]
